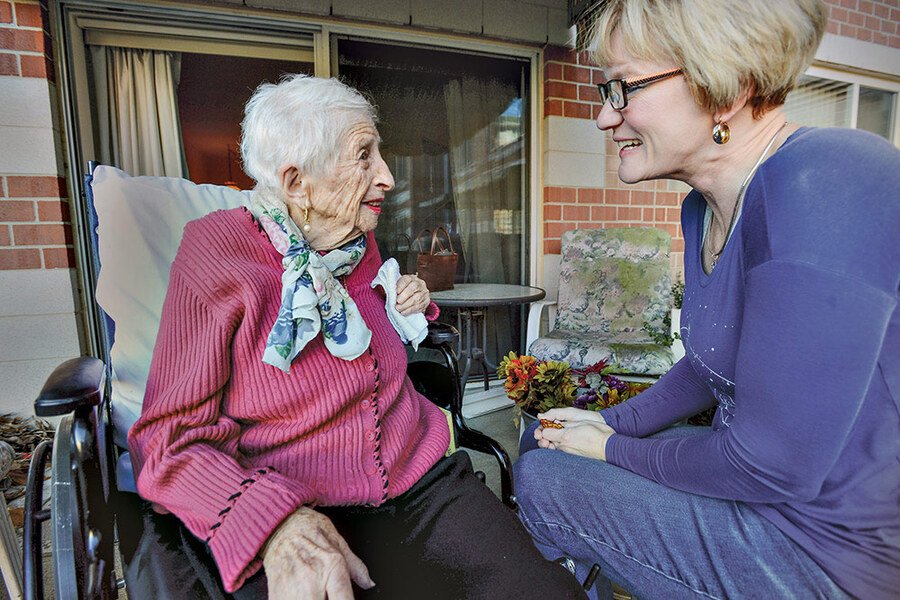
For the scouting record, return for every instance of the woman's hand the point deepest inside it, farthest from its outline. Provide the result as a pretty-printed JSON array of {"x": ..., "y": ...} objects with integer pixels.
[
  {"x": 584, "y": 432},
  {"x": 412, "y": 295},
  {"x": 307, "y": 558},
  {"x": 573, "y": 415}
]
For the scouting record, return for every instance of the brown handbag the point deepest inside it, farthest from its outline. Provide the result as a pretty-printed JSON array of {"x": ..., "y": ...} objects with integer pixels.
[{"x": 437, "y": 267}]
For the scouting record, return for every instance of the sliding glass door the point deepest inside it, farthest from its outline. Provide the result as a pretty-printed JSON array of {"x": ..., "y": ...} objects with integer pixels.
[
  {"x": 455, "y": 135},
  {"x": 159, "y": 91}
]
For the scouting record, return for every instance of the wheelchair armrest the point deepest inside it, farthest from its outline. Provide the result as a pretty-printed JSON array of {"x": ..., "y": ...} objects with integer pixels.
[
  {"x": 73, "y": 384},
  {"x": 439, "y": 334},
  {"x": 475, "y": 440},
  {"x": 440, "y": 383},
  {"x": 535, "y": 312}
]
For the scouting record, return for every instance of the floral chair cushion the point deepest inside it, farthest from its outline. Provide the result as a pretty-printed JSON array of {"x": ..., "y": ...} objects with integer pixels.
[
  {"x": 581, "y": 350},
  {"x": 611, "y": 282}
]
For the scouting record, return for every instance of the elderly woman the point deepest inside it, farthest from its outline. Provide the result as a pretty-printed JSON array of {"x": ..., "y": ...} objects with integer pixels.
[
  {"x": 279, "y": 425},
  {"x": 790, "y": 323}
]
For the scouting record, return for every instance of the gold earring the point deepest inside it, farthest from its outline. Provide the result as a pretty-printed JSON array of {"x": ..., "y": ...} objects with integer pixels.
[
  {"x": 305, "y": 226},
  {"x": 721, "y": 133}
]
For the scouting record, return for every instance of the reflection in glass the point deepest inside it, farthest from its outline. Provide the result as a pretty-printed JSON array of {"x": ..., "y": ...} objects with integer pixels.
[
  {"x": 876, "y": 111},
  {"x": 454, "y": 130}
]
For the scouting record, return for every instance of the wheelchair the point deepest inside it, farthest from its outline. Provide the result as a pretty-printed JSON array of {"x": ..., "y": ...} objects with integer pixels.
[{"x": 91, "y": 507}]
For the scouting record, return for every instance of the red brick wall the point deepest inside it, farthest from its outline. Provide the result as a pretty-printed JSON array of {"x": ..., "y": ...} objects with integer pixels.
[
  {"x": 875, "y": 21},
  {"x": 25, "y": 49},
  {"x": 35, "y": 228},
  {"x": 569, "y": 91}
]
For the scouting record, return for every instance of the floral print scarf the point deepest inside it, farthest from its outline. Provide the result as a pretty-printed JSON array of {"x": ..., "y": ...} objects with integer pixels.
[{"x": 312, "y": 299}]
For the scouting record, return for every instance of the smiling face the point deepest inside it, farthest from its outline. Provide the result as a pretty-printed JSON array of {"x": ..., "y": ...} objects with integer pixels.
[
  {"x": 347, "y": 201},
  {"x": 662, "y": 132}
]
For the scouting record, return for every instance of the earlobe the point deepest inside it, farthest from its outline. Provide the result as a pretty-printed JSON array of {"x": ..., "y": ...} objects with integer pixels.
[
  {"x": 727, "y": 113},
  {"x": 721, "y": 133}
]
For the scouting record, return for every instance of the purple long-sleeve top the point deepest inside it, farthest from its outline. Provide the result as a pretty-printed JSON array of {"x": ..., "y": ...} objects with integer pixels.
[{"x": 795, "y": 337}]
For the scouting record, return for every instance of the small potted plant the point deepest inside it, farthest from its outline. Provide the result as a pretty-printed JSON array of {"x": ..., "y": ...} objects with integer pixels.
[
  {"x": 599, "y": 388},
  {"x": 669, "y": 335},
  {"x": 536, "y": 386}
]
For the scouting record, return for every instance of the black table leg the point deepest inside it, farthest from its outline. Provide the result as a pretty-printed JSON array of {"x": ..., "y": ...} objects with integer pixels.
[{"x": 467, "y": 353}]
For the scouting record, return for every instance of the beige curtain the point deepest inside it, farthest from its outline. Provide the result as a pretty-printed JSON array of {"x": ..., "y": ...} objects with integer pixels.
[
  {"x": 486, "y": 174},
  {"x": 137, "y": 110},
  {"x": 486, "y": 166}
]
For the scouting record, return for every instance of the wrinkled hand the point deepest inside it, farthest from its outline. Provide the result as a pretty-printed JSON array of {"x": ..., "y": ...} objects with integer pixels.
[
  {"x": 584, "y": 432},
  {"x": 412, "y": 295},
  {"x": 307, "y": 558}
]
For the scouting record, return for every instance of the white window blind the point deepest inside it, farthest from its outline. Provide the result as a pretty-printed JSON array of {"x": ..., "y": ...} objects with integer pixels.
[
  {"x": 820, "y": 103},
  {"x": 823, "y": 102}
]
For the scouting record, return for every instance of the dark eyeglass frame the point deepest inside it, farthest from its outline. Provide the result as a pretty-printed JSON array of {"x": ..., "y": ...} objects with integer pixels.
[{"x": 620, "y": 87}]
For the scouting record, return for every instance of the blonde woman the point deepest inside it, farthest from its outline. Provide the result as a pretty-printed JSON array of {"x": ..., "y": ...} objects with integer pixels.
[{"x": 790, "y": 323}]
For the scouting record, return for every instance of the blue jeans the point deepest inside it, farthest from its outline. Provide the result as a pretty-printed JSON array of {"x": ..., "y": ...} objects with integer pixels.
[{"x": 654, "y": 541}]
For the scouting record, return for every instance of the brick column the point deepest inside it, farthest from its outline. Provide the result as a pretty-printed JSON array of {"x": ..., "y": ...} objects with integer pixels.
[
  {"x": 39, "y": 320},
  {"x": 35, "y": 229},
  {"x": 591, "y": 195}
]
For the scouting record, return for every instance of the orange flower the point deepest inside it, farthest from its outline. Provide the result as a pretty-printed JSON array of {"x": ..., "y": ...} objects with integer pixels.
[{"x": 516, "y": 384}]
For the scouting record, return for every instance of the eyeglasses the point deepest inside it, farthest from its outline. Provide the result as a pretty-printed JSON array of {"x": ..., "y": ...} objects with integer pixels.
[{"x": 616, "y": 90}]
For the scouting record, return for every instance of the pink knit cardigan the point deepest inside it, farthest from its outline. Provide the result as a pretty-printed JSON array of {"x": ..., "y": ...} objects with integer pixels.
[{"x": 231, "y": 445}]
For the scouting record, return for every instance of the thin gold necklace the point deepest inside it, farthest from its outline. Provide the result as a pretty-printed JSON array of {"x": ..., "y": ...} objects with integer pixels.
[{"x": 714, "y": 256}]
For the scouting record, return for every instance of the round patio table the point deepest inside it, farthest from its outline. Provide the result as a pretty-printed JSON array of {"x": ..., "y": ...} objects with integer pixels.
[{"x": 472, "y": 301}]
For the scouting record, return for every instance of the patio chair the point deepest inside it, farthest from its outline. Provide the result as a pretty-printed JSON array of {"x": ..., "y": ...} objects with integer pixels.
[
  {"x": 135, "y": 229},
  {"x": 614, "y": 289}
]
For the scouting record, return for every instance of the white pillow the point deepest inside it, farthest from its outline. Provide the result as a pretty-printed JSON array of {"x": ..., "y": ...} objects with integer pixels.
[{"x": 140, "y": 223}]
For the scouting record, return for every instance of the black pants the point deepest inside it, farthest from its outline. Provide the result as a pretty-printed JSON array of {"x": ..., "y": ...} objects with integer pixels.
[{"x": 448, "y": 537}]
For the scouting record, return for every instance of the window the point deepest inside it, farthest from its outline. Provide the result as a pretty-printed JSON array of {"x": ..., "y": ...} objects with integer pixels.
[
  {"x": 454, "y": 126},
  {"x": 825, "y": 102},
  {"x": 212, "y": 91},
  {"x": 876, "y": 111},
  {"x": 820, "y": 103}
]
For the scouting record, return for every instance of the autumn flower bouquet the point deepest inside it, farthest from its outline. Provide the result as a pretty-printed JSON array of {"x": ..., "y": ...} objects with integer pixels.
[{"x": 536, "y": 386}]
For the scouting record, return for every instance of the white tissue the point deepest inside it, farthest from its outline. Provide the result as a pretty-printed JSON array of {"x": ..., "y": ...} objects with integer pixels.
[{"x": 411, "y": 329}]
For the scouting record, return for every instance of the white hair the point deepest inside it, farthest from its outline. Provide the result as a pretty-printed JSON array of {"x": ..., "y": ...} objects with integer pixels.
[{"x": 300, "y": 122}]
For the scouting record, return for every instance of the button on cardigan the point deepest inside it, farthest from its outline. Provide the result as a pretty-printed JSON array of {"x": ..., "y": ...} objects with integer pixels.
[{"x": 231, "y": 445}]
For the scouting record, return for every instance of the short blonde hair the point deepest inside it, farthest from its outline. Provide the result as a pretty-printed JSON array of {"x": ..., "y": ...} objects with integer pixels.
[{"x": 722, "y": 46}]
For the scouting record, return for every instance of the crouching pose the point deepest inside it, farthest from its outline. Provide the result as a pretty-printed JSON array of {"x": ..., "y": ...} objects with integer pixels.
[{"x": 790, "y": 323}]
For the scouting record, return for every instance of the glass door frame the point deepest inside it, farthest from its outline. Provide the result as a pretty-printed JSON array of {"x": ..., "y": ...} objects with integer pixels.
[
  {"x": 200, "y": 28},
  {"x": 856, "y": 80},
  {"x": 440, "y": 41}
]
